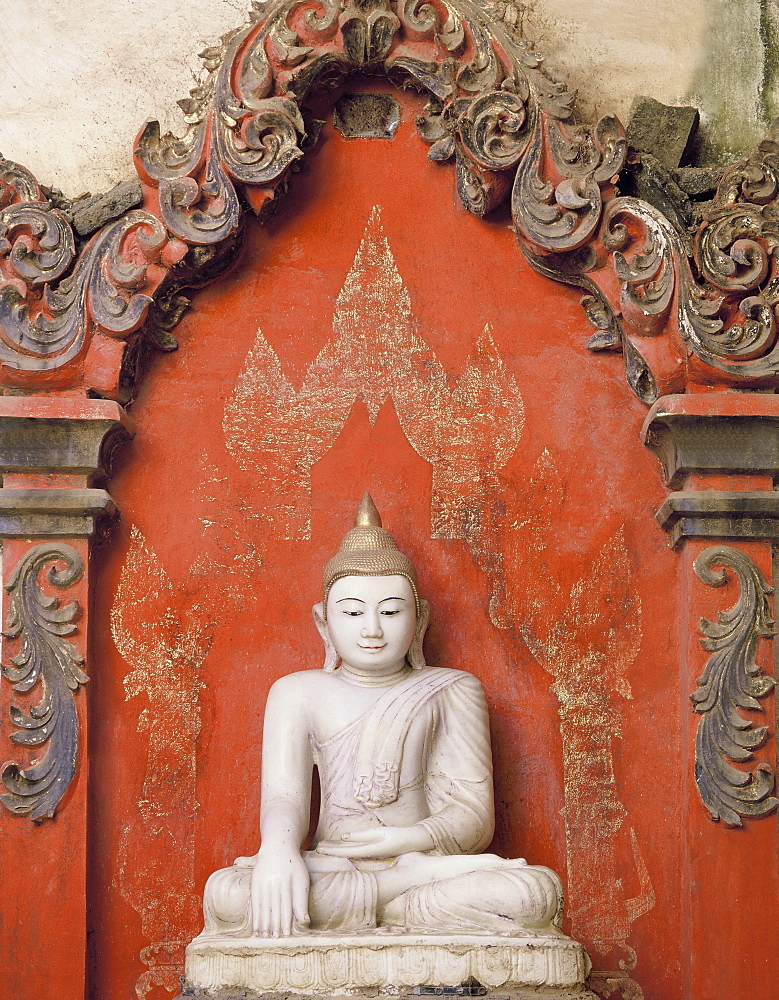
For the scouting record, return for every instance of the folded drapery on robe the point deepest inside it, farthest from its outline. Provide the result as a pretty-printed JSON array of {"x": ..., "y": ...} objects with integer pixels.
[
  {"x": 488, "y": 895},
  {"x": 384, "y": 730},
  {"x": 420, "y": 755}
]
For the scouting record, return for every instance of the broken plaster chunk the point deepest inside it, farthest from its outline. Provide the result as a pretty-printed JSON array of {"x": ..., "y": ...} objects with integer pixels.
[
  {"x": 664, "y": 130},
  {"x": 697, "y": 181},
  {"x": 657, "y": 185},
  {"x": 92, "y": 213}
]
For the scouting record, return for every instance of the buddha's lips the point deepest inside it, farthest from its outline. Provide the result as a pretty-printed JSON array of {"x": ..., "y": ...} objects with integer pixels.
[{"x": 372, "y": 647}]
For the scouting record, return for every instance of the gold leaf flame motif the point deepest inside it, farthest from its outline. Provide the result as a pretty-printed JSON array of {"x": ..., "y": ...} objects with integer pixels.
[
  {"x": 467, "y": 431},
  {"x": 164, "y": 650}
]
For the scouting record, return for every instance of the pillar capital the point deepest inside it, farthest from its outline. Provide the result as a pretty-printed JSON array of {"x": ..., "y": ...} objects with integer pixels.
[
  {"x": 720, "y": 453},
  {"x": 59, "y": 436},
  {"x": 714, "y": 434}
]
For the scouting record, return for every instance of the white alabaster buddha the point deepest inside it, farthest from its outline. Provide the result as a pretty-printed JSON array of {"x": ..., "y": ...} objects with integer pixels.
[{"x": 403, "y": 753}]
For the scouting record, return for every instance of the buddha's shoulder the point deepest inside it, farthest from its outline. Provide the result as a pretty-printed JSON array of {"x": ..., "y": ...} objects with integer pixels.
[
  {"x": 303, "y": 683},
  {"x": 461, "y": 678}
]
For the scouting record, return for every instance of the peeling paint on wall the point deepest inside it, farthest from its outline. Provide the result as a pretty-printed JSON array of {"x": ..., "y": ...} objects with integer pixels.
[
  {"x": 587, "y": 676},
  {"x": 164, "y": 652},
  {"x": 231, "y": 531},
  {"x": 467, "y": 432}
]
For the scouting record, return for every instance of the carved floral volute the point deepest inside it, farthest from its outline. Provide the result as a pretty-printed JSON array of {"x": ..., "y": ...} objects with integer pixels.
[
  {"x": 492, "y": 110},
  {"x": 686, "y": 310},
  {"x": 53, "y": 301},
  {"x": 691, "y": 310}
]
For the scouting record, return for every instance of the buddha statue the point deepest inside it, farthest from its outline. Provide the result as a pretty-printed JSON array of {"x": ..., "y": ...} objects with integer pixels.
[{"x": 405, "y": 770}]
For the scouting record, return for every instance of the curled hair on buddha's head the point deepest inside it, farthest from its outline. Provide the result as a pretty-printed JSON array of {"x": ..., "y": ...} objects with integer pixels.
[{"x": 370, "y": 550}]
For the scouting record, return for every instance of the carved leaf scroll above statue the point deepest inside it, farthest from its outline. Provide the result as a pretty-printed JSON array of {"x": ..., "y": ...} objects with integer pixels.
[
  {"x": 685, "y": 309},
  {"x": 52, "y": 301},
  {"x": 693, "y": 309},
  {"x": 403, "y": 755},
  {"x": 491, "y": 109}
]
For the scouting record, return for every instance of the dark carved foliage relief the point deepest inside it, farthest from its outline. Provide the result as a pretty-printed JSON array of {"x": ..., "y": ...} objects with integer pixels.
[
  {"x": 732, "y": 682},
  {"x": 492, "y": 109},
  {"x": 684, "y": 308},
  {"x": 53, "y": 300},
  {"x": 698, "y": 306},
  {"x": 49, "y": 729}
]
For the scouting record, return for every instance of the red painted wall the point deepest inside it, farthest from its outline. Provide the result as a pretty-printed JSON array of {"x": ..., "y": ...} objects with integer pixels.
[{"x": 550, "y": 580}]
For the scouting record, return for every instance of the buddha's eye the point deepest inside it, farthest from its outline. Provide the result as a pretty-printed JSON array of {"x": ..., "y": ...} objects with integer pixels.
[
  {"x": 395, "y": 612},
  {"x": 352, "y": 614}
]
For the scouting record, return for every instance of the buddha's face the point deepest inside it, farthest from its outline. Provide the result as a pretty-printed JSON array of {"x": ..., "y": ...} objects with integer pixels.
[{"x": 371, "y": 621}]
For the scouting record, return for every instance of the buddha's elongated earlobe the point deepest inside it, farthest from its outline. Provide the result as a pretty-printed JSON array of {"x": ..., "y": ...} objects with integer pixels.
[
  {"x": 416, "y": 654},
  {"x": 332, "y": 659}
]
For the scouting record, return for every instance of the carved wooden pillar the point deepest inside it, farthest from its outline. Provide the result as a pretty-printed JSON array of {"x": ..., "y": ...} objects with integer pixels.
[
  {"x": 51, "y": 452},
  {"x": 720, "y": 452}
]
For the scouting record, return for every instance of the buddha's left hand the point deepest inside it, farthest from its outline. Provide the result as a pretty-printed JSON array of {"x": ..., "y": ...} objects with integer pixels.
[{"x": 378, "y": 842}]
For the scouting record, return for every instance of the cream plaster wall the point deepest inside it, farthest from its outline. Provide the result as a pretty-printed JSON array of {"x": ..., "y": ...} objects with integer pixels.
[
  {"x": 78, "y": 79},
  {"x": 718, "y": 55}
]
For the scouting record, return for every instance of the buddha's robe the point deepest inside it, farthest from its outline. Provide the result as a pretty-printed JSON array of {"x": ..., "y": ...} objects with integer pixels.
[{"x": 421, "y": 755}]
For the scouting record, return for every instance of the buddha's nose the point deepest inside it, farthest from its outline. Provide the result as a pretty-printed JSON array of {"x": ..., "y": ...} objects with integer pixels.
[{"x": 372, "y": 627}]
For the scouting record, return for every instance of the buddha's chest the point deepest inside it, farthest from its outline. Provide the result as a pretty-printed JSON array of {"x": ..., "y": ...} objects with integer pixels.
[
  {"x": 340, "y": 706},
  {"x": 361, "y": 741}
]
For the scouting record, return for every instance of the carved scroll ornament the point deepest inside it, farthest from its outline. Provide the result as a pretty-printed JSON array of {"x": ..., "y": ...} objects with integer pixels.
[
  {"x": 694, "y": 308},
  {"x": 45, "y": 656},
  {"x": 53, "y": 301},
  {"x": 684, "y": 308},
  {"x": 732, "y": 682},
  {"x": 492, "y": 111}
]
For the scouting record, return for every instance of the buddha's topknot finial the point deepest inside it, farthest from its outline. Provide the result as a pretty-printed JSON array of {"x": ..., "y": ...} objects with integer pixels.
[{"x": 367, "y": 515}]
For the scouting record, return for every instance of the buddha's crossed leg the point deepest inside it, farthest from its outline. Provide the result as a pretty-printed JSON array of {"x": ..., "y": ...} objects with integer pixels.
[{"x": 417, "y": 892}]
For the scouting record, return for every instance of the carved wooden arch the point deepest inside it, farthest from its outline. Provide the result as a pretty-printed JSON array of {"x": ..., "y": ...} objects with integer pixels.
[{"x": 687, "y": 310}]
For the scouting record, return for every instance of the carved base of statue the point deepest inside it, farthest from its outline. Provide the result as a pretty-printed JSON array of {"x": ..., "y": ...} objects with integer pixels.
[
  {"x": 465, "y": 917},
  {"x": 333, "y": 964}
]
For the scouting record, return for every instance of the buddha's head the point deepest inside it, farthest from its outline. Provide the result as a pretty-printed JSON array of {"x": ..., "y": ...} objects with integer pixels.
[{"x": 371, "y": 617}]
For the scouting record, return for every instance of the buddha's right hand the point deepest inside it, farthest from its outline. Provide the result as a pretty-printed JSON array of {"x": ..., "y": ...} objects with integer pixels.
[{"x": 280, "y": 884}]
